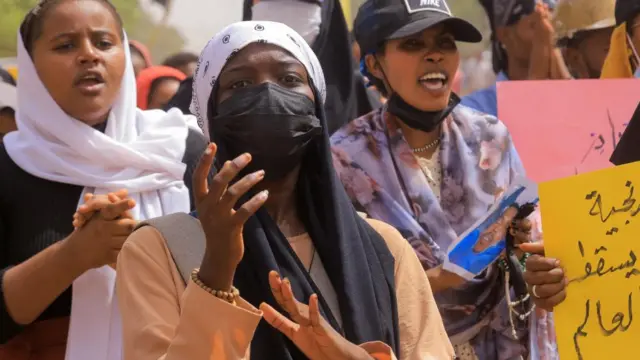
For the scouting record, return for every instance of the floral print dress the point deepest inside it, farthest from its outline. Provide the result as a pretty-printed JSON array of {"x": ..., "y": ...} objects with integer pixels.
[{"x": 477, "y": 160}]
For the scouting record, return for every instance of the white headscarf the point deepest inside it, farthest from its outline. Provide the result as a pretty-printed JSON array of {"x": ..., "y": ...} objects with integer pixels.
[
  {"x": 140, "y": 151},
  {"x": 304, "y": 17},
  {"x": 234, "y": 38}
]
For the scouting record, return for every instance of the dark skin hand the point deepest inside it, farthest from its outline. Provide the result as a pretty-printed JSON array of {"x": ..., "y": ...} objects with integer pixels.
[
  {"x": 307, "y": 329},
  {"x": 222, "y": 224},
  {"x": 546, "y": 275}
]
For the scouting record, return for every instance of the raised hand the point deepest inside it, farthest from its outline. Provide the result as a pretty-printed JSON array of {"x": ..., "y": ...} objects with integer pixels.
[
  {"x": 221, "y": 222},
  {"x": 307, "y": 329}
]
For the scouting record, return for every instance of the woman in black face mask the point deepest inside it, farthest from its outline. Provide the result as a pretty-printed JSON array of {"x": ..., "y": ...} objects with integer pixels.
[
  {"x": 432, "y": 168},
  {"x": 275, "y": 225}
]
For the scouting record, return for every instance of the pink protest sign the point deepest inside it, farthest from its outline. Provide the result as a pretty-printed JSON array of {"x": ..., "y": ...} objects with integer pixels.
[{"x": 562, "y": 128}]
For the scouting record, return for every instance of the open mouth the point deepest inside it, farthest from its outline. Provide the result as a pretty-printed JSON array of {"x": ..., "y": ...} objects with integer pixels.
[
  {"x": 434, "y": 81},
  {"x": 90, "y": 82}
]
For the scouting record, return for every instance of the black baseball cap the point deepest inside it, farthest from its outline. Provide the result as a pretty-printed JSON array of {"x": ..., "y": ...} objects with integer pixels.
[{"x": 380, "y": 20}]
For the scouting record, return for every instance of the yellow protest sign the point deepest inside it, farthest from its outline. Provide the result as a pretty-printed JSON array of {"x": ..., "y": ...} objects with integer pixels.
[{"x": 591, "y": 225}]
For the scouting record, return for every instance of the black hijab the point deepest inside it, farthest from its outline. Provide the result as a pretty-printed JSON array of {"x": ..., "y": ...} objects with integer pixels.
[
  {"x": 626, "y": 10},
  {"x": 355, "y": 257},
  {"x": 346, "y": 94},
  {"x": 628, "y": 150},
  {"x": 182, "y": 98}
]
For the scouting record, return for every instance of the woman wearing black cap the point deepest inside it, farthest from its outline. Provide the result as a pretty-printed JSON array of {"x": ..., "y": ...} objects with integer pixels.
[{"x": 432, "y": 168}]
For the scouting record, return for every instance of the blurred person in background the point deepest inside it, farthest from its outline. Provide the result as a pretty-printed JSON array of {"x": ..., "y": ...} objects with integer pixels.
[
  {"x": 156, "y": 86},
  {"x": 478, "y": 72},
  {"x": 322, "y": 24},
  {"x": 622, "y": 60},
  {"x": 182, "y": 98},
  {"x": 583, "y": 29},
  {"x": 8, "y": 103},
  {"x": 523, "y": 48},
  {"x": 184, "y": 61},
  {"x": 140, "y": 56}
]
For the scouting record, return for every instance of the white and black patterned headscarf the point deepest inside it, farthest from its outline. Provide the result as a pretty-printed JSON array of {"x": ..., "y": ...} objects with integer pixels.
[{"x": 234, "y": 38}]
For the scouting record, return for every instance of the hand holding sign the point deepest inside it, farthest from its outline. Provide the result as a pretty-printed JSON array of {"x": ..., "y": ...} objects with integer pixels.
[
  {"x": 590, "y": 226},
  {"x": 544, "y": 277}
]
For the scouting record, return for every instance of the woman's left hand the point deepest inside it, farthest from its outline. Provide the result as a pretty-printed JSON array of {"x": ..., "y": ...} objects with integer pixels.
[{"x": 307, "y": 329}]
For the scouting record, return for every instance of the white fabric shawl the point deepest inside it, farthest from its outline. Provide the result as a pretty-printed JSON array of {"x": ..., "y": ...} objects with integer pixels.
[{"x": 140, "y": 151}]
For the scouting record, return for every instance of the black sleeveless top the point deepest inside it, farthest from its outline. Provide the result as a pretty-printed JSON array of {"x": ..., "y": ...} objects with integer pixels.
[{"x": 36, "y": 213}]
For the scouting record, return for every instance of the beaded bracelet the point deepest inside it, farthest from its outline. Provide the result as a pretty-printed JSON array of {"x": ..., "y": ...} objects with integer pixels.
[{"x": 228, "y": 296}]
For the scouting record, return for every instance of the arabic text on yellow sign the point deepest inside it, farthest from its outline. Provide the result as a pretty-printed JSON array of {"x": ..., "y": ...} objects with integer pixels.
[{"x": 591, "y": 223}]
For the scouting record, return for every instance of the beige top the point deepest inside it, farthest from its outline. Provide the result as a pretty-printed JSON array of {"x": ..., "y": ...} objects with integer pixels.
[
  {"x": 164, "y": 321},
  {"x": 303, "y": 246},
  {"x": 432, "y": 170}
]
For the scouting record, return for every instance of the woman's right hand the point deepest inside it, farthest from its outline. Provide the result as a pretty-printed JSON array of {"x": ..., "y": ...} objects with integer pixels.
[
  {"x": 222, "y": 224},
  {"x": 99, "y": 240},
  {"x": 544, "y": 277}
]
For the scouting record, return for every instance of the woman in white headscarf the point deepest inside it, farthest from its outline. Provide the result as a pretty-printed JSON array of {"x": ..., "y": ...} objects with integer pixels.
[
  {"x": 261, "y": 90},
  {"x": 79, "y": 132}
]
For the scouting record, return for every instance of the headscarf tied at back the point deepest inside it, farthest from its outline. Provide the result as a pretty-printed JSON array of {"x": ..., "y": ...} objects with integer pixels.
[
  {"x": 355, "y": 257},
  {"x": 146, "y": 79},
  {"x": 346, "y": 96}
]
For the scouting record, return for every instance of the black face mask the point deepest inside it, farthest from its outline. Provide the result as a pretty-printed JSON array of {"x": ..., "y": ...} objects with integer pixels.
[
  {"x": 275, "y": 125},
  {"x": 426, "y": 121}
]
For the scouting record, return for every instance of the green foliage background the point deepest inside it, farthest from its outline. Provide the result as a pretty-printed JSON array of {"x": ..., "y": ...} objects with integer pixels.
[{"x": 164, "y": 40}]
